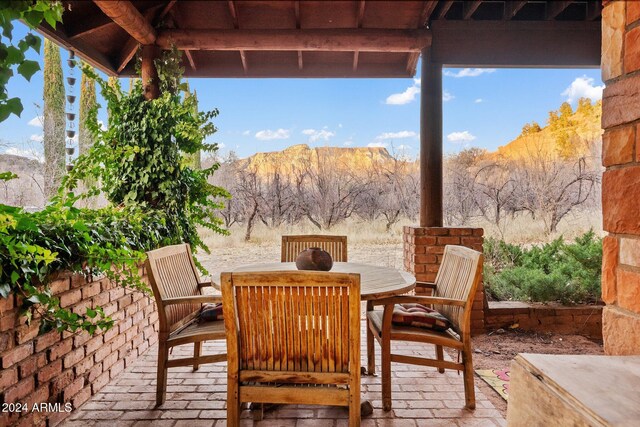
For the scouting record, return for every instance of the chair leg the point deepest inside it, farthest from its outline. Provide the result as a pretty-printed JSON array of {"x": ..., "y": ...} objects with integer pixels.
[
  {"x": 440, "y": 357},
  {"x": 163, "y": 357},
  {"x": 354, "y": 411},
  {"x": 197, "y": 350},
  {"x": 371, "y": 352},
  {"x": 386, "y": 372},
  {"x": 469, "y": 392},
  {"x": 233, "y": 403}
]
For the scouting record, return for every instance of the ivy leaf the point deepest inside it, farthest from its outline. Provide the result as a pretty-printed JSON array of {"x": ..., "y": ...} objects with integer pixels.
[
  {"x": 14, "y": 276},
  {"x": 28, "y": 68},
  {"x": 5, "y": 290},
  {"x": 14, "y": 106},
  {"x": 33, "y": 18},
  {"x": 91, "y": 313},
  {"x": 34, "y": 42}
]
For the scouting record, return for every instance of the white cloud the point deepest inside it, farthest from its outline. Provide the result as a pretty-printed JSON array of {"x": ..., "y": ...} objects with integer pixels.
[
  {"x": 377, "y": 145},
  {"x": 479, "y": 100},
  {"x": 246, "y": 133},
  {"x": 396, "y": 135},
  {"x": 464, "y": 136},
  {"x": 469, "y": 72},
  {"x": 582, "y": 87},
  {"x": 36, "y": 121},
  {"x": 404, "y": 147},
  {"x": 447, "y": 96},
  {"x": 316, "y": 135},
  {"x": 31, "y": 154},
  {"x": 403, "y": 98},
  {"x": 268, "y": 134},
  {"x": 348, "y": 142},
  {"x": 36, "y": 137}
]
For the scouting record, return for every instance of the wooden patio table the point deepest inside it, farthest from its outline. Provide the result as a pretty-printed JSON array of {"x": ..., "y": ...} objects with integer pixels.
[{"x": 375, "y": 282}]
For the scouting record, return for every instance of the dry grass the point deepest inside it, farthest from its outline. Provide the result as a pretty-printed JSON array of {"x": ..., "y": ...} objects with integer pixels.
[{"x": 369, "y": 242}]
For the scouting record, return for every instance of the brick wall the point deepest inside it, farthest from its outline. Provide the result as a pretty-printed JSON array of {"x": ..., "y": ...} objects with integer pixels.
[
  {"x": 554, "y": 318},
  {"x": 61, "y": 367},
  {"x": 423, "y": 249},
  {"x": 621, "y": 179}
]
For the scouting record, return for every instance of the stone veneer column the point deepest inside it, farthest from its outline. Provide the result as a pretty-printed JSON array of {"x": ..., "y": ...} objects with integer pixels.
[
  {"x": 621, "y": 180},
  {"x": 423, "y": 249}
]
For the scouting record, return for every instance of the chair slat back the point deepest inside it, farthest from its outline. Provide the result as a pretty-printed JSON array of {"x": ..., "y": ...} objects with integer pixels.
[
  {"x": 293, "y": 245},
  {"x": 173, "y": 273},
  {"x": 458, "y": 277},
  {"x": 292, "y": 321}
]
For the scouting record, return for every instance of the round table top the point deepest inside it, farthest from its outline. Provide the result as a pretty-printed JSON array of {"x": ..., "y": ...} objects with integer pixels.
[{"x": 375, "y": 282}]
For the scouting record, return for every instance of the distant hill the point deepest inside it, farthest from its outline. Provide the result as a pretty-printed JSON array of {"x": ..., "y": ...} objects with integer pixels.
[{"x": 566, "y": 133}]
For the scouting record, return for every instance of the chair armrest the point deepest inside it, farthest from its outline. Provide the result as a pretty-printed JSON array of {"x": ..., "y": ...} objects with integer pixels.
[
  {"x": 194, "y": 299},
  {"x": 429, "y": 285},
  {"x": 403, "y": 299},
  {"x": 210, "y": 284}
]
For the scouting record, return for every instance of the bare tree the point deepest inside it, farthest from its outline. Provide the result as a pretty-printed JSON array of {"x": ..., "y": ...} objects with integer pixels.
[{"x": 552, "y": 186}]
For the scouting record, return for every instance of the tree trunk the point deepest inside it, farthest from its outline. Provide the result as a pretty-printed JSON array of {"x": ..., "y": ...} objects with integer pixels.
[
  {"x": 54, "y": 120},
  {"x": 250, "y": 219}
]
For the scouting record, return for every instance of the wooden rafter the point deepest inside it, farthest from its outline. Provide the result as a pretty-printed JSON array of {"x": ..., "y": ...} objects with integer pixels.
[
  {"x": 555, "y": 8},
  {"x": 446, "y": 5},
  {"x": 511, "y": 8},
  {"x": 234, "y": 17},
  {"x": 359, "y": 18},
  {"x": 425, "y": 15},
  {"x": 129, "y": 19},
  {"x": 86, "y": 27},
  {"x": 330, "y": 40},
  {"x": 469, "y": 8},
  {"x": 296, "y": 10}
]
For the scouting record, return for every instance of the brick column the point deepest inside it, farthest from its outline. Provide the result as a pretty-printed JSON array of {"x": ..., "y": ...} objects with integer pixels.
[
  {"x": 423, "y": 249},
  {"x": 621, "y": 180}
]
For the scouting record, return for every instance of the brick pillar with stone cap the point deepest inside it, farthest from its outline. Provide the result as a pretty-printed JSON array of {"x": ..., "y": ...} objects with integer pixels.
[{"x": 423, "y": 249}]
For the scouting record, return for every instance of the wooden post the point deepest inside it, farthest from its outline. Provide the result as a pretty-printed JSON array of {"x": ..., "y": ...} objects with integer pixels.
[
  {"x": 430, "y": 142},
  {"x": 149, "y": 72}
]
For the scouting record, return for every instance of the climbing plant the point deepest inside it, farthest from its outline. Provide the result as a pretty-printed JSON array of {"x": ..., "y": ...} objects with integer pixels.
[{"x": 54, "y": 119}]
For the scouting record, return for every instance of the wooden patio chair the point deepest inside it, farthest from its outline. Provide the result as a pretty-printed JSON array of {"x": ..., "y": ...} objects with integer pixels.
[
  {"x": 292, "y": 338},
  {"x": 177, "y": 288},
  {"x": 293, "y": 245},
  {"x": 453, "y": 294}
]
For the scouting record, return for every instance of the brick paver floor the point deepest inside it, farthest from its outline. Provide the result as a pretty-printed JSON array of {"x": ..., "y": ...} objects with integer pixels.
[{"x": 421, "y": 397}]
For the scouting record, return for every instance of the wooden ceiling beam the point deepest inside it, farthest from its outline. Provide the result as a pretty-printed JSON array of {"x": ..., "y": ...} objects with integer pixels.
[
  {"x": 555, "y": 8},
  {"x": 332, "y": 40},
  {"x": 511, "y": 8},
  {"x": 446, "y": 5},
  {"x": 469, "y": 8},
  {"x": 296, "y": 10},
  {"x": 131, "y": 46},
  {"x": 544, "y": 44},
  {"x": 129, "y": 19}
]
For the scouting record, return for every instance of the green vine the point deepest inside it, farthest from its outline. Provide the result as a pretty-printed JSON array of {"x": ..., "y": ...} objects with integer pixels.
[
  {"x": 12, "y": 52},
  {"x": 140, "y": 162},
  {"x": 141, "y": 158}
]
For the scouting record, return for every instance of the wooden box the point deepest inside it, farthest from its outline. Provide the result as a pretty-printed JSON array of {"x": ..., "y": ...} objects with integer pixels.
[{"x": 568, "y": 390}]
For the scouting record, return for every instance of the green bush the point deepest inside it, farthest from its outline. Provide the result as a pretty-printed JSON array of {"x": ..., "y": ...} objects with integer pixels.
[{"x": 556, "y": 271}]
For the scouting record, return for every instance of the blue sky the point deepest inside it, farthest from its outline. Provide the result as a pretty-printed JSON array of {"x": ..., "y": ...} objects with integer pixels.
[{"x": 483, "y": 108}]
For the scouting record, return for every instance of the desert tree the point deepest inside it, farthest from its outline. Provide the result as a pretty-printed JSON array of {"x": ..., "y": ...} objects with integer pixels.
[
  {"x": 54, "y": 119},
  {"x": 498, "y": 188},
  {"x": 460, "y": 202},
  {"x": 328, "y": 191},
  {"x": 551, "y": 186},
  {"x": 280, "y": 202}
]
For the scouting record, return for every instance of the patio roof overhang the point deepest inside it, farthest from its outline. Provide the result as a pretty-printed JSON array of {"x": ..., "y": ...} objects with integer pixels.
[{"x": 333, "y": 39}]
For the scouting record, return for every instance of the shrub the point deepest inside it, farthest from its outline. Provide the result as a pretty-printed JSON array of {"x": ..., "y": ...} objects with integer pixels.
[{"x": 556, "y": 271}]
